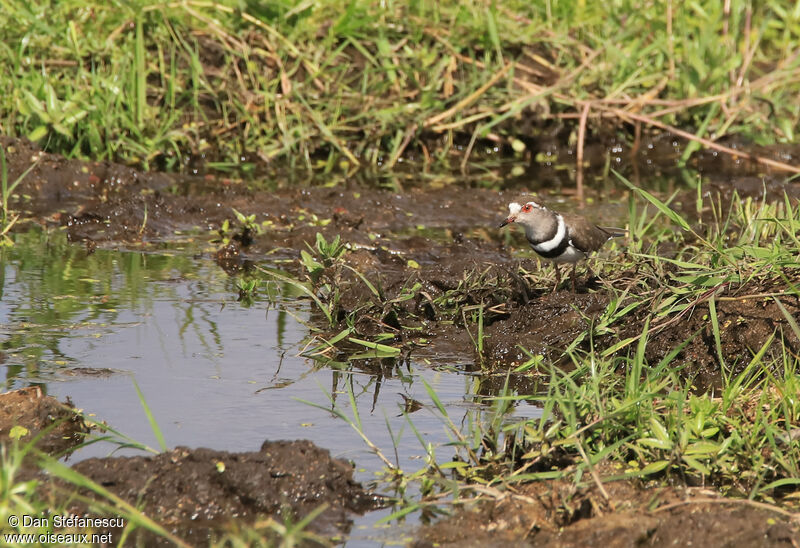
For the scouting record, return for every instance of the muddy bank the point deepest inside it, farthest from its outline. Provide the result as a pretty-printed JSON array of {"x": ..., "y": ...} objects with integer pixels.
[
  {"x": 627, "y": 514},
  {"x": 747, "y": 314},
  {"x": 60, "y": 425},
  {"x": 437, "y": 260},
  {"x": 441, "y": 246}
]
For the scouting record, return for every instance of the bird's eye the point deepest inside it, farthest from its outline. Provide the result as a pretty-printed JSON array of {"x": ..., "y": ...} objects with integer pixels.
[{"x": 526, "y": 208}]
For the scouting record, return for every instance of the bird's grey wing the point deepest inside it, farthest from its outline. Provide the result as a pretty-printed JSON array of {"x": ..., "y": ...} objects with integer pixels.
[{"x": 585, "y": 235}]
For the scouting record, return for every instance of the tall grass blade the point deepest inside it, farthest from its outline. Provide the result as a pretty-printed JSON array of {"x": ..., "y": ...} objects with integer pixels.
[
  {"x": 140, "y": 73},
  {"x": 789, "y": 318},
  {"x": 150, "y": 418},
  {"x": 712, "y": 314},
  {"x": 661, "y": 206},
  {"x": 131, "y": 514},
  {"x": 434, "y": 397}
]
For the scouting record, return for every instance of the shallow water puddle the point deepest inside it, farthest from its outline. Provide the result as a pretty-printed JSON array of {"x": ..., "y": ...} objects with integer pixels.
[{"x": 215, "y": 373}]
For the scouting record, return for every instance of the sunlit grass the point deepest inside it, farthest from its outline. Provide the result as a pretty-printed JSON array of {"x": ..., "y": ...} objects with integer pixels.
[{"x": 327, "y": 88}]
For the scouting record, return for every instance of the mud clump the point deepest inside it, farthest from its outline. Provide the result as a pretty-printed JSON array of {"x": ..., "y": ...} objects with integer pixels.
[
  {"x": 194, "y": 491},
  {"x": 31, "y": 409}
]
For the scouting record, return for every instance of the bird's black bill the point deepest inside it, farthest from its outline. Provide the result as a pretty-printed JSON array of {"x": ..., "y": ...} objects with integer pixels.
[{"x": 504, "y": 223}]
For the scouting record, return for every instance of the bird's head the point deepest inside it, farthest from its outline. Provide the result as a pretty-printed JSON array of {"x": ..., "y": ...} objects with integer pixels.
[{"x": 530, "y": 214}]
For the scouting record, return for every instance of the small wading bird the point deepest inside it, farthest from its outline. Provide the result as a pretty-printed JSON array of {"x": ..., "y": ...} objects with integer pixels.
[{"x": 560, "y": 238}]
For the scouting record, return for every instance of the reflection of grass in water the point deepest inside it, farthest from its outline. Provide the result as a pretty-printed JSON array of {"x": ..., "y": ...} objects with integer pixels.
[{"x": 61, "y": 291}]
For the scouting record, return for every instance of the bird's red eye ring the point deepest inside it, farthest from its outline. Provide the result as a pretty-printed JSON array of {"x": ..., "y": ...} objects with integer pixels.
[{"x": 526, "y": 208}]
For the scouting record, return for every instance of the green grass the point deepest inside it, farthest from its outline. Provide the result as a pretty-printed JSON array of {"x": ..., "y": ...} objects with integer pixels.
[
  {"x": 652, "y": 423},
  {"x": 324, "y": 88}
]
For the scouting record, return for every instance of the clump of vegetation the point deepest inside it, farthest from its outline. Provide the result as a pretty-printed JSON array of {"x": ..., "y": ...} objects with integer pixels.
[
  {"x": 247, "y": 289},
  {"x": 242, "y": 230}
]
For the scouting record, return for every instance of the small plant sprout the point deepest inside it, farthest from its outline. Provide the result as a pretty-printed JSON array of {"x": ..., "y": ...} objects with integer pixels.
[{"x": 247, "y": 289}]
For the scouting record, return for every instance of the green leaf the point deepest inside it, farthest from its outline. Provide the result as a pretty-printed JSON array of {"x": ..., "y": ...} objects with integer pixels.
[
  {"x": 52, "y": 99},
  {"x": 390, "y": 350},
  {"x": 653, "y": 442},
  {"x": 33, "y": 103},
  {"x": 369, "y": 354},
  {"x": 312, "y": 266},
  {"x": 150, "y": 418},
  {"x": 454, "y": 464},
  {"x": 780, "y": 483},
  {"x": 74, "y": 115},
  {"x": 701, "y": 280},
  {"x": 129, "y": 512},
  {"x": 654, "y": 467},
  {"x": 611, "y": 350},
  {"x": 434, "y": 397},
  {"x": 399, "y": 514},
  {"x": 65, "y": 131},
  {"x": 365, "y": 280},
  {"x": 658, "y": 430},
  {"x": 715, "y": 330},
  {"x": 702, "y": 448},
  {"x": 789, "y": 318},
  {"x": 38, "y": 133},
  {"x": 697, "y": 465},
  {"x": 341, "y": 335},
  {"x": 537, "y": 476}
]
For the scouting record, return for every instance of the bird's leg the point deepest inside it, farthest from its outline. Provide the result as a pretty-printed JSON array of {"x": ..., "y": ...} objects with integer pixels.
[
  {"x": 558, "y": 277},
  {"x": 522, "y": 284},
  {"x": 574, "y": 267}
]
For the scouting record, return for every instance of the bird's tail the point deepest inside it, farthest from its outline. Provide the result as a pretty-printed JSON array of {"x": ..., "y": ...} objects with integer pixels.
[{"x": 615, "y": 232}]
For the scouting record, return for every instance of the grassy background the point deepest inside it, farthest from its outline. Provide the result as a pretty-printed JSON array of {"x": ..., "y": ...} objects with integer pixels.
[{"x": 323, "y": 84}]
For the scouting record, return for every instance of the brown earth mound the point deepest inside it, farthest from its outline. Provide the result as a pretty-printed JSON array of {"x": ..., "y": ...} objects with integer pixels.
[
  {"x": 60, "y": 424},
  {"x": 193, "y": 492}
]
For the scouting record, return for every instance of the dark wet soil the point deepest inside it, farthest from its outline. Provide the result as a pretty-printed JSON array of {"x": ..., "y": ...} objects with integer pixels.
[
  {"x": 193, "y": 492},
  {"x": 445, "y": 242},
  {"x": 559, "y": 514},
  {"x": 543, "y": 327},
  {"x": 746, "y": 319}
]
